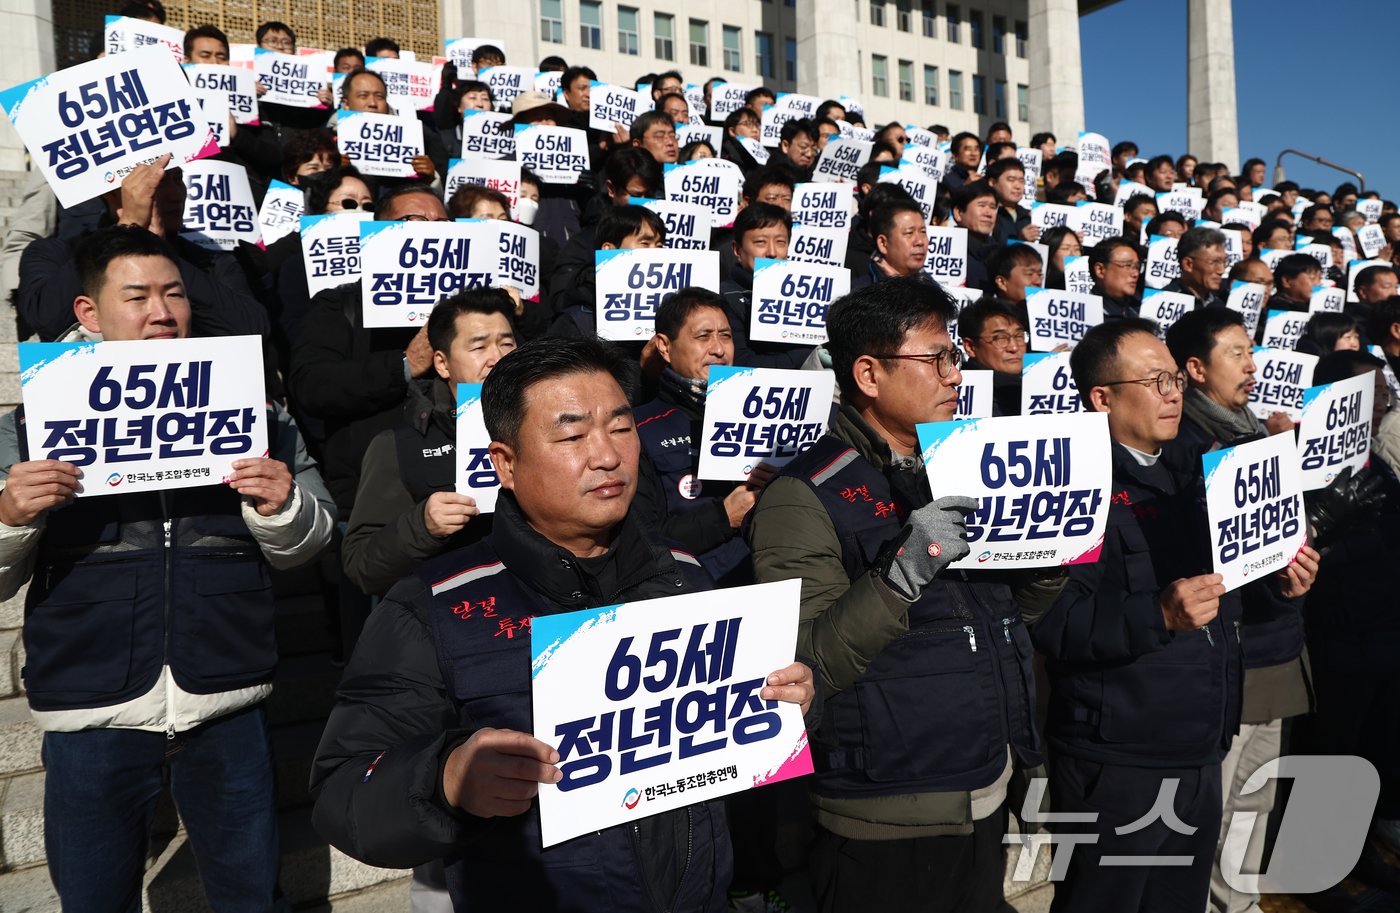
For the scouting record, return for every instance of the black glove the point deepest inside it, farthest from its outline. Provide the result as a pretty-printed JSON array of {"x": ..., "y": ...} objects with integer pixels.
[
  {"x": 933, "y": 538},
  {"x": 1346, "y": 500}
]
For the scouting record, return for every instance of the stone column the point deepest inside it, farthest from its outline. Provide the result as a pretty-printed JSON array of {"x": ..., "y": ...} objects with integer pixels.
[
  {"x": 1212, "y": 123},
  {"x": 1057, "y": 79},
  {"x": 828, "y": 59},
  {"x": 26, "y": 53}
]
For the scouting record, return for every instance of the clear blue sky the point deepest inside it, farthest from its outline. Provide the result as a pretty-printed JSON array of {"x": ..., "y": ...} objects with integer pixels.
[{"x": 1306, "y": 73}]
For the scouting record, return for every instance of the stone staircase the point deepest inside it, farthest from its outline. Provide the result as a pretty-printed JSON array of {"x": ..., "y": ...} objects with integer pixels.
[{"x": 12, "y": 184}]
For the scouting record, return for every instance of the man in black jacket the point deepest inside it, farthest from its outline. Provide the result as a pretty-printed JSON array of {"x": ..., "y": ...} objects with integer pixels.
[
  {"x": 1117, "y": 268},
  {"x": 1143, "y": 652},
  {"x": 429, "y": 738},
  {"x": 761, "y": 230}
]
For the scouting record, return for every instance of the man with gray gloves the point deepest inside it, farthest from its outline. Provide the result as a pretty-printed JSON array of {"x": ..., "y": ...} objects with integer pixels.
[{"x": 929, "y": 690}]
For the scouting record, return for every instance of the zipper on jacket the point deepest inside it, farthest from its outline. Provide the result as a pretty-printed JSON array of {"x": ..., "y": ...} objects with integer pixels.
[
  {"x": 1006, "y": 629},
  {"x": 1238, "y": 642},
  {"x": 166, "y": 555},
  {"x": 1209, "y": 636},
  {"x": 971, "y": 637},
  {"x": 689, "y": 852}
]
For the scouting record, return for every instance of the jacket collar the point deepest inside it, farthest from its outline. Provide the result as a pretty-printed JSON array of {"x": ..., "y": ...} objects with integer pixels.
[
  {"x": 848, "y": 426},
  {"x": 431, "y": 400}
]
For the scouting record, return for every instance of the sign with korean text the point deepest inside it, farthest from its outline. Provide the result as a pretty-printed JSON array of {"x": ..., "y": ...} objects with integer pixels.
[
  {"x": 1185, "y": 203},
  {"x": 1165, "y": 308},
  {"x": 1371, "y": 209},
  {"x": 713, "y": 184},
  {"x": 632, "y": 283},
  {"x": 1254, "y": 499},
  {"x": 411, "y": 85},
  {"x": 699, "y": 133},
  {"x": 1059, "y": 317},
  {"x": 1094, "y": 154},
  {"x": 946, "y": 260},
  {"x": 290, "y": 79},
  {"x": 1372, "y": 239},
  {"x": 1096, "y": 222},
  {"x": 761, "y": 415},
  {"x": 1335, "y": 431},
  {"x": 841, "y": 159},
  {"x": 811, "y": 244},
  {"x": 330, "y": 249},
  {"x": 88, "y": 126},
  {"x": 460, "y": 50},
  {"x": 281, "y": 211},
  {"x": 1283, "y": 329},
  {"x": 383, "y": 145},
  {"x": 1046, "y": 216},
  {"x": 754, "y": 148},
  {"x": 122, "y": 34},
  {"x": 934, "y": 162},
  {"x": 1247, "y": 299},
  {"x": 613, "y": 106},
  {"x": 1047, "y": 384},
  {"x": 789, "y": 106},
  {"x": 476, "y": 476},
  {"x": 1041, "y": 482},
  {"x": 975, "y": 394},
  {"x": 1162, "y": 264},
  {"x": 507, "y": 82},
  {"x": 919, "y": 185},
  {"x": 219, "y": 207},
  {"x": 823, "y": 205},
  {"x": 791, "y": 298},
  {"x": 237, "y": 84},
  {"x": 687, "y": 225},
  {"x": 213, "y": 107},
  {"x": 146, "y": 415},
  {"x": 503, "y": 176},
  {"x": 726, "y": 98},
  {"x": 557, "y": 154},
  {"x": 1280, "y": 378},
  {"x": 1327, "y": 299},
  {"x": 1322, "y": 253},
  {"x": 1030, "y": 160},
  {"x": 1129, "y": 189},
  {"x": 655, "y": 705},
  {"x": 1078, "y": 278},
  {"x": 487, "y": 135}
]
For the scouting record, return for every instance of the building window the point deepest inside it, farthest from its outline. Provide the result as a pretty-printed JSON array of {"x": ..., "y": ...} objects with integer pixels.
[
  {"x": 930, "y": 85},
  {"x": 590, "y": 24},
  {"x": 999, "y": 34},
  {"x": 954, "y": 24},
  {"x": 552, "y": 21},
  {"x": 974, "y": 22},
  {"x": 1023, "y": 103},
  {"x": 763, "y": 54},
  {"x": 879, "y": 75},
  {"x": 877, "y": 12},
  {"x": 665, "y": 27},
  {"x": 979, "y": 94},
  {"x": 903, "y": 15},
  {"x": 1020, "y": 39},
  {"x": 906, "y": 80},
  {"x": 930, "y": 19},
  {"x": 628, "y": 38},
  {"x": 955, "y": 100},
  {"x": 699, "y": 43},
  {"x": 733, "y": 55},
  {"x": 999, "y": 99},
  {"x": 790, "y": 59}
]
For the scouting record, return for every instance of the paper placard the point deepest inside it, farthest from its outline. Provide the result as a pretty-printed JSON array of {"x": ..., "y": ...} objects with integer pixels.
[
  {"x": 1094, "y": 154},
  {"x": 1254, "y": 499},
  {"x": 934, "y": 162},
  {"x": 1283, "y": 329},
  {"x": 1030, "y": 160},
  {"x": 632, "y": 283},
  {"x": 1078, "y": 278},
  {"x": 558, "y": 155},
  {"x": 946, "y": 260},
  {"x": 460, "y": 50},
  {"x": 1335, "y": 431},
  {"x": 1129, "y": 189},
  {"x": 487, "y": 135},
  {"x": 1344, "y": 237},
  {"x": 687, "y": 225},
  {"x": 1060, "y": 318},
  {"x": 1238, "y": 215},
  {"x": 699, "y": 133},
  {"x": 1327, "y": 299},
  {"x": 1184, "y": 203},
  {"x": 1322, "y": 253},
  {"x": 761, "y": 415},
  {"x": 382, "y": 145},
  {"x": 1096, "y": 222},
  {"x": 811, "y": 244},
  {"x": 549, "y": 83},
  {"x": 238, "y": 85},
  {"x": 122, "y": 34},
  {"x": 408, "y": 267},
  {"x": 213, "y": 107},
  {"x": 791, "y": 298},
  {"x": 411, "y": 85},
  {"x": 919, "y": 185},
  {"x": 219, "y": 206},
  {"x": 1042, "y": 484},
  {"x": 1165, "y": 308},
  {"x": 291, "y": 79},
  {"x": 88, "y": 126},
  {"x": 823, "y": 205},
  {"x": 1280, "y": 377},
  {"x": 148, "y": 415},
  {"x": 714, "y": 184},
  {"x": 841, "y": 159},
  {"x": 330, "y": 249},
  {"x": 754, "y": 148},
  {"x": 476, "y": 475},
  {"x": 281, "y": 211},
  {"x": 1371, "y": 239},
  {"x": 726, "y": 98},
  {"x": 1247, "y": 299},
  {"x": 507, "y": 82},
  {"x": 1371, "y": 209},
  {"x": 1046, "y": 216},
  {"x": 498, "y": 175},
  {"x": 975, "y": 394},
  {"x": 690, "y": 652},
  {"x": 789, "y": 106},
  {"x": 1047, "y": 385},
  {"x": 613, "y": 106},
  {"x": 1163, "y": 267}
]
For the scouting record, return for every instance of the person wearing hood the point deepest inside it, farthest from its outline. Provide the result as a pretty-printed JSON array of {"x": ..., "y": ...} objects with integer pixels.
[{"x": 761, "y": 230}]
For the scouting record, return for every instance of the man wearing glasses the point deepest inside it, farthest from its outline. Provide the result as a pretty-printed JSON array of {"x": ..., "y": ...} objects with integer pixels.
[
  {"x": 1143, "y": 651},
  {"x": 1201, "y": 253},
  {"x": 993, "y": 333},
  {"x": 926, "y": 672},
  {"x": 1117, "y": 268}
]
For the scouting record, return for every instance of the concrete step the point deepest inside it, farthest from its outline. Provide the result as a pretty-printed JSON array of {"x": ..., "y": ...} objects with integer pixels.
[{"x": 19, "y": 740}]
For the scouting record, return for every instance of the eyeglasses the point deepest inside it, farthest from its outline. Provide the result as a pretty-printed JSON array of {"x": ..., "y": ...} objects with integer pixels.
[
  {"x": 1007, "y": 340},
  {"x": 349, "y": 203},
  {"x": 1132, "y": 265},
  {"x": 946, "y": 361},
  {"x": 415, "y": 217},
  {"x": 1165, "y": 381}
]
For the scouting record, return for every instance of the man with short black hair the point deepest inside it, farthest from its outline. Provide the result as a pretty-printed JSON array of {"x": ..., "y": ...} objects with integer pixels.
[
  {"x": 994, "y": 336},
  {"x": 966, "y": 152},
  {"x": 1013, "y": 269},
  {"x": 1201, "y": 255},
  {"x": 1007, "y": 176},
  {"x": 381, "y": 48},
  {"x": 797, "y": 148},
  {"x": 1374, "y": 284},
  {"x": 1160, "y": 173},
  {"x": 974, "y": 207},
  {"x": 901, "y": 243},
  {"x": 206, "y": 44},
  {"x": 655, "y": 132},
  {"x": 1116, "y": 266},
  {"x": 1295, "y": 276},
  {"x": 762, "y": 230}
]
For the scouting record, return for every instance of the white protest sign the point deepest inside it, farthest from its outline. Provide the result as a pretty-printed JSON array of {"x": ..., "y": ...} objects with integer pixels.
[
  {"x": 1238, "y": 215},
  {"x": 1254, "y": 499},
  {"x": 557, "y": 154},
  {"x": 674, "y": 683},
  {"x": 88, "y": 126},
  {"x": 1322, "y": 253},
  {"x": 411, "y": 85},
  {"x": 1047, "y": 385},
  {"x": 219, "y": 206},
  {"x": 687, "y": 225},
  {"x": 507, "y": 82},
  {"x": 1327, "y": 299},
  {"x": 1371, "y": 209},
  {"x": 1283, "y": 329},
  {"x": 1247, "y": 298},
  {"x": 919, "y": 136},
  {"x": 852, "y": 105},
  {"x": 1042, "y": 484},
  {"x": 919, "y": 185},
  {"x": 330, "y": 249},
  {"x": 761, "y": 415},
  {"x": 487, "y": 135},
  {"x": 498, "y": 175},
  {"x": 822, "y": 205},
  {"x": 726, "y": 98},
  {"x": 408, "y": 267},
  {"x": 1354, "y": 270},
  {"x": 1096, "y": 222},
  {"x": 1078, "y": 277},
  {"x": 476, "y": 476},
  {"x": 460, "y": 50},
  {"x": 122, "y": 34},
  {"x": 1030, "y": 160},
  {"x": 1271, "y": 256},
  {"x": 1129, "y": 189},
  {"x": 975, "y": 394},
  {"x": 754, "y": 148},
  {"x": 771, "y": 125},
  {"x": 1372, "y": 240},
  {"x": 1344, "y": 237},
  {"x": 714, "y": 184},
  {"x": 946, "y": 260},
  {"x": 237, "y": 84},
  {"x": 1234, "y": 250},
  {"x": 1165, "y": 308},
  {"x": 1094, "y": 154},
  {"x": 214, "y": 108},
  {"x": 147, "y": 415},
  {"x": 1280, "y": 377},
  {"x": 699, "y": 133},
  {"x": 290, "y": 79},
  {"x": 841, "y": 159},
  {"x": 383, "y": 145},
  {"x": 1184, "y": 203},
  {"x": 812, "y": 244},
  {"x": 631, "y": 284},
  {"x": 1335, "y": 431},
  {"x": 695, "y": 102},
  {"x": 549, "y": 83},
  {"x": 791, "y": 298},
  {"x": 1059, "y": 317},
  {"x": 1046, "y": 216},
  {"x": 1162, "y": 263},
  {"x": 281, "y": 211},
  {"x": 614, "y": 106},
  {"x": 933, "y": 161}
]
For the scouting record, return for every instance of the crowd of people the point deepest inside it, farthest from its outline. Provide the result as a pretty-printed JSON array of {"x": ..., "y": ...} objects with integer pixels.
[{"x": 149, "y": 617}]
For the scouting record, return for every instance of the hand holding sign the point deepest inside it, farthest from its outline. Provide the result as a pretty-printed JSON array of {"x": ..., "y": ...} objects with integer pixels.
[
  {"x": 498, "y": 772},
  {"x": 265, "y": 481},
  {"x": 791, "y": 684},
  {"x": 1296, "y": 579},
  {"x": 34, "y": 487},
  {"x": 1192, "y": 602},
  {"x": 740, "y": 501},
  {"x": 934, "y": 537},
  {"x": 138, "y": 196},
  {"x": 447, "y": 513}
]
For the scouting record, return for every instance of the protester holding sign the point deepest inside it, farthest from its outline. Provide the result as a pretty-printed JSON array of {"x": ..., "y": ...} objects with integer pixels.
[
  {"x": 994, "y": 336},
  {"x": 1201, "y": 254},
  {"x": 445, "y": 754},
  {"x": 125, "y": 702},
  {"x": 1154, "y": 694},
  {"x": 905, "y": 651},
  {"x": 762, "y": 230}
]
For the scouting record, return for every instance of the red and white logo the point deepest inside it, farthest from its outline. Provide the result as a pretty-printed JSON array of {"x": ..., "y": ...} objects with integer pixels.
[{"x": 689, "y": 487}]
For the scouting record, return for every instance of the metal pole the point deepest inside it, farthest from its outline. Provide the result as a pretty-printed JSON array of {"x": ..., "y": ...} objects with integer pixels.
[{"x": 1278, "y": 166}]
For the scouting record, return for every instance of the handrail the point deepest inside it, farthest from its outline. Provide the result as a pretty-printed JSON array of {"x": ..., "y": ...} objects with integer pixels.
[{"x": 1278, "y": 166}]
